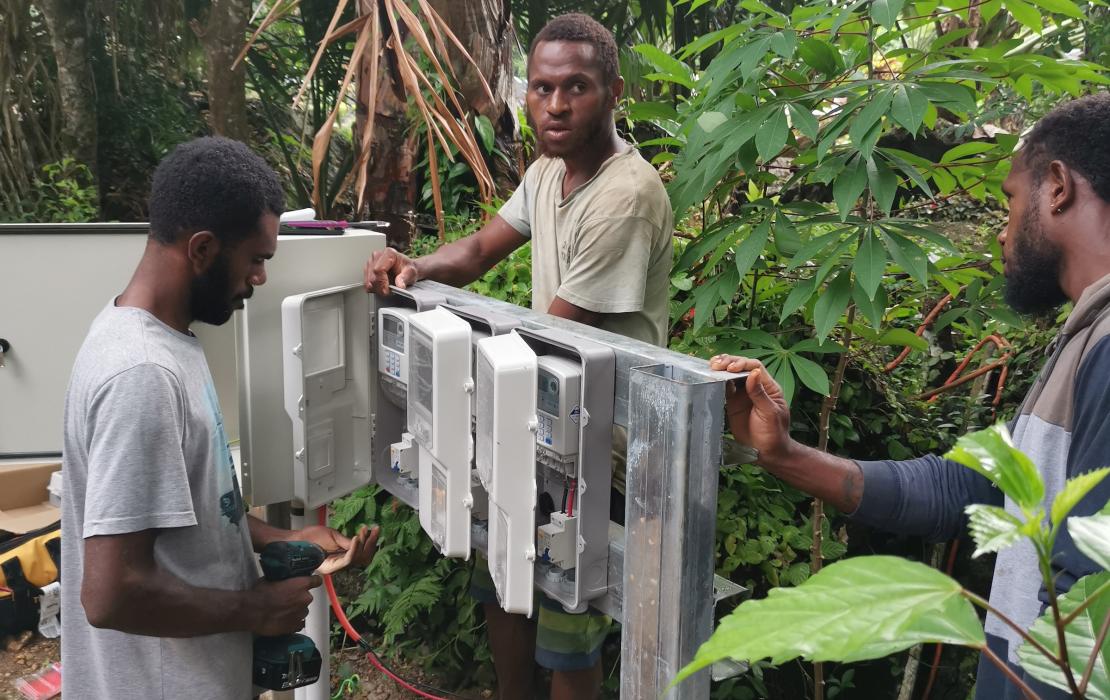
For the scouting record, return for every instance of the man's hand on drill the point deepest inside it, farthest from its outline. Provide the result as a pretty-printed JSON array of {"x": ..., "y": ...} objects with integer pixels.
[
  {"x": 280, "y": 607},
  {"x": 342, "y": 551}
]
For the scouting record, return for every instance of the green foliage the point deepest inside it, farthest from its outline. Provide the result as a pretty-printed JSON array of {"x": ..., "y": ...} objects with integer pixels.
[
  {"x": 417, "y": 600},
  {"x": 867, "y": 607},
  {"x": 510, "y": 280},
  {"x": 859, "y": 608},
  {"x": 763, "y": 531},
  {"x": 799, "y": 143},
  {"x": 63, "y": 193},
  {"x": 1088, "y": 599}
]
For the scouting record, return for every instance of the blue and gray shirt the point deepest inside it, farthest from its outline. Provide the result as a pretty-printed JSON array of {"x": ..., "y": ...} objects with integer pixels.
[{"x": 1064, "y": 426}]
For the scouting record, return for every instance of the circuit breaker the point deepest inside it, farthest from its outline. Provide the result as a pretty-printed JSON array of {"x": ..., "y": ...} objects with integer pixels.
[{"x": 439, "y": 389}]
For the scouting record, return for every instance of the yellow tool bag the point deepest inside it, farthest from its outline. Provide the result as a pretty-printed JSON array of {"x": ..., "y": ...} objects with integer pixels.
[{"x": 27, "y": 563}]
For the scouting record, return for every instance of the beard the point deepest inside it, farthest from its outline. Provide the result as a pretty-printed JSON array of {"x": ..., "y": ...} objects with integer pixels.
[
  {"x": 1033, "y": 285},
  {"x": 211, "y": 300}
]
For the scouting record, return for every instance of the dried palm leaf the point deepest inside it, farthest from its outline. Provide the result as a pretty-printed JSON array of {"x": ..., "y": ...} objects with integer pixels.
[
  {"x": 278, "y": 11},
  {"x": 323, "y": 135}
]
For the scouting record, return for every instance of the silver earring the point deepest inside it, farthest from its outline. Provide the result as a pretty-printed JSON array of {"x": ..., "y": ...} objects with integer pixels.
[{"x": 1059, "y": 210}]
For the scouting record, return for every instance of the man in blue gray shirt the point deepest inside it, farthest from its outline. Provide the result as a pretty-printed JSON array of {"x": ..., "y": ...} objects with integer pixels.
[{"x": 1055, "y": 248}]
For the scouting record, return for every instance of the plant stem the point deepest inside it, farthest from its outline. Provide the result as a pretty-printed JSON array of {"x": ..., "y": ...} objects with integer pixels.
[
  {"x": 1061, "y": 641},
  {"x": 1094, "y": 655},
  {"x": 1009, "y": 672},
  {"x": 1014, "y": 626},
  {"x": 1083, "y": 606},
  {"x": 818, "y": 517}
]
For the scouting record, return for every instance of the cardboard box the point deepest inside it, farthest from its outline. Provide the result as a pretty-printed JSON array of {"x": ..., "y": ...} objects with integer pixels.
[{"x": 25, "y": 498}]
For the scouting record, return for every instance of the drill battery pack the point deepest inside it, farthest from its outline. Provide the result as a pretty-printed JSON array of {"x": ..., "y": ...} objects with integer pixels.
[{"x": 285, "y": 662}]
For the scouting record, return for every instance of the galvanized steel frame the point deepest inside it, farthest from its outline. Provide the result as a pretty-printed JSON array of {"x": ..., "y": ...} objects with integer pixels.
[{"x": 662, "y": 586}]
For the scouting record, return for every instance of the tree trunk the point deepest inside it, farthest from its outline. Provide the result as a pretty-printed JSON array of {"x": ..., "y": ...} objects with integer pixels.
[
  {"x": 223, "y": 37},
  {"x": 390, "y": 185},
  {"x": 485, "y": 28},
  {"x": 69, "y": 34}
]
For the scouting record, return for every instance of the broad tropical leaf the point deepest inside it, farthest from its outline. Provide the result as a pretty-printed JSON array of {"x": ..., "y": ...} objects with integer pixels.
[
  {"x": 992, "y": 528},
  {"x": 857, "y": 609},
  {"x": 1074, "y": 491},
  {"x": 1079, "y": 637},
  {"x": 991, "y": 452},
  {"x": 1092, "y": 536}
]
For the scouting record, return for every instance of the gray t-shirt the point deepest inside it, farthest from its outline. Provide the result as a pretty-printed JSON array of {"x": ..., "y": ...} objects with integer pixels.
[
  {"x": 145, "y": 448},
  {"x": 605, "y": 247}
]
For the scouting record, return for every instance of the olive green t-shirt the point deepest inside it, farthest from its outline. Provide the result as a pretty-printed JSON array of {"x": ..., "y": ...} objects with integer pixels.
[{"x": 606, "y": 247}]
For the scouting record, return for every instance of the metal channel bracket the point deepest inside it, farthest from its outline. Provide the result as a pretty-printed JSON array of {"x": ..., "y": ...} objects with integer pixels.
[{"x": 674, "y": 455}]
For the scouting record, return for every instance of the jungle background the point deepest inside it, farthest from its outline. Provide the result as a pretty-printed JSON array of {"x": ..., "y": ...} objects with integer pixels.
[{"x": 834, "y": 167}]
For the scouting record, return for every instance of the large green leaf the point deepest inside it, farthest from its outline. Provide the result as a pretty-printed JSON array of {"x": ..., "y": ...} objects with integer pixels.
[
  {"x": 811, "y": 374},
  {"x": 1074, "y": 491},
  {"x": 849, "y": 186},
  {"x": 1060, "y": 7},
  {"x": 1092, "y": 537},
  {"x": 884, "y": 183},
  {"x": 869, "y": 119},
  {"x": 832, "y": 303},
  {"x": 870, "y": 263},
  {"x": 856, "y": 609},
  {"x": 821, "y": 56},
  {"x": 909, "y": 107},
  {"x": 1025, "y": 13},
  {"x": 873, "y": 308},
  {"x": 798, "y": 297},
  {"x": 992, "y": 528},
  {"x": 886, "y": 12},
  {"x": 772, "y": 135},
  {"x": 749, "y": 251},
  {"x": 908, "y": 255},
  {"x": 785, "y": 43},
  {"x": 804, "y": 121},
  {"x": 1079, "y": 636},
  {"x": 991, "y": 452},
  {"x": 903, "y": 337},
  {"x": 670, "y": 68}
]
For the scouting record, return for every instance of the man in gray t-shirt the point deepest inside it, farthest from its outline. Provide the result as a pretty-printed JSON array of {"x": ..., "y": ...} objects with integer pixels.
[
  {"x": 160, "y": 588},
  {"x": 600, "y": 224}
]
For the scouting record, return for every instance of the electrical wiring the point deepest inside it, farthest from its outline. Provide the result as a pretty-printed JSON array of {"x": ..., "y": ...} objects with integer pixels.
[{"x": 341, "y": 617}]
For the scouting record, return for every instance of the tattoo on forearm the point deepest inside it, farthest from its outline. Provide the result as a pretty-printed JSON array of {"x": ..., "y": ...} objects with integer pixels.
[{"x": 852, "y": 488}]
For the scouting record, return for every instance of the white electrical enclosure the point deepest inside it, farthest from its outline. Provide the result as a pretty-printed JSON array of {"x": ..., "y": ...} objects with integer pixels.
[
  {"x": 303, "y": 264},
  {"x": 505, "y": 453},
  {"x": 393, "y": 350},
  {"x": 476, "y": 336},
  {"x": 438, "y": 414},
  {"x": 325, "y": 335},
  {"x": 506, "y": 417}
]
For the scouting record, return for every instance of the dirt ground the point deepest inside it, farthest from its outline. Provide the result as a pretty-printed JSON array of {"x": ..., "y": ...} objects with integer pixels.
[
  {"x": 38, "y": 653},
  {"x": 35, "y": 655}
]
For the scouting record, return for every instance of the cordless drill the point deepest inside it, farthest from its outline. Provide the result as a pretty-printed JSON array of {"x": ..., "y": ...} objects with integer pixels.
[{"x": 287, "y": 661}]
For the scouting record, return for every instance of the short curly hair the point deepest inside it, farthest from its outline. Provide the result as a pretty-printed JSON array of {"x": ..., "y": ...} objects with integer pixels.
[
  {"x": 212, "y": 184},
  {"x": 1077, "y": 133},
  {"x": 576, "y": 26}
]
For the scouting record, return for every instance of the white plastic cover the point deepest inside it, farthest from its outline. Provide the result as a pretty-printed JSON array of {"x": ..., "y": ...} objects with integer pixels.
[{"x": 325, "y": 335}]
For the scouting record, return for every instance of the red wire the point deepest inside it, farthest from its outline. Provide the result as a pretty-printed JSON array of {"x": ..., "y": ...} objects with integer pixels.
[
  {"x": 570, "y": 497},
  {"x": 350, "y": 630}
]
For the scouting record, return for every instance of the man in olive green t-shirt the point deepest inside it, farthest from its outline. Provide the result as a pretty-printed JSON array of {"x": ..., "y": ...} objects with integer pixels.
[{"x": 600, "y": 223}]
